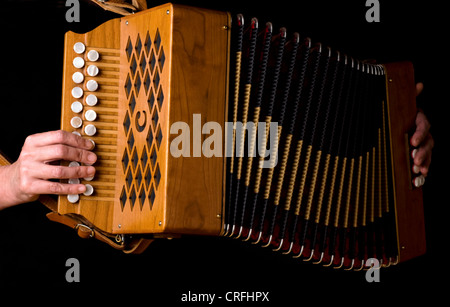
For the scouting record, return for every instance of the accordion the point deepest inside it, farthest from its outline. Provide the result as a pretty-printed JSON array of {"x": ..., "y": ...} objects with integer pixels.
[{"x": 208, "y": 124}]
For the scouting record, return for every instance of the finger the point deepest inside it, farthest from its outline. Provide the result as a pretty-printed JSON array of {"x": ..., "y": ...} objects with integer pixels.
[
  {"x": 426, "y": 166},
  {"x": 49, "y": 187},
  {"x": 62, "y": 172},
  {"x": 422, "y": 129},
  {"x": 59, "y": 137},
  {"x": 64, "y": 152},
  {"x": 419, "y": 88},
  {"x": 424, "y": 151}
]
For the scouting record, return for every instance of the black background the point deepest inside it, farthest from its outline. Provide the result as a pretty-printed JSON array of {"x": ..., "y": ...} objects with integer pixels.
[{"x": 33, "y": 250}]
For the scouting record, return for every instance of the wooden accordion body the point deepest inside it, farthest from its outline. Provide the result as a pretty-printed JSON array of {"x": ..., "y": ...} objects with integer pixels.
[{"x": 173, "y": 67}]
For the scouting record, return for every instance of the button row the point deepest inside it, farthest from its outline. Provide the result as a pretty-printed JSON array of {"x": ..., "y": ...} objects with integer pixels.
[{"x": 77, "y": 107}]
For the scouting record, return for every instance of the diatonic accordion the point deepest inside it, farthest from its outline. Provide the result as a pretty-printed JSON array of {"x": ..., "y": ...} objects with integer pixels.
[{"x": 208, "y": 125}]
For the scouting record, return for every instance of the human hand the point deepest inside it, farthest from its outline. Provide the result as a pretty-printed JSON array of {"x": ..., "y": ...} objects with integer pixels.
[
  {"x": 28, "y": 177},
  {"x": 423, "y": 140}
]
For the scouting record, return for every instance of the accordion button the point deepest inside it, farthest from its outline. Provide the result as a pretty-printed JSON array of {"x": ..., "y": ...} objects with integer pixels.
[
  {"x": 74, "y": 164},
  {"x": 78, "y": 62},
  {"x": 76, "y": 122},
  {"x": 79, "y": 47},
  {"x": 78, "y": 77},
  {"x": 89, "y": 190},
  {"x": 92, "y": 85},
  {"x": 76, "y": 107},
  {"x": 73, "y": 198},
  {"x": 77, "y": 92},
  {"x": 89, "y": 178},
  {"x": 74, "y": 181},
  {"x": 92, "y": 70},
  {"x": 90, "y": 130},
  {"x": 90, "y": 115},
  {"x": 91, "y": 100},
  {"x": 93, "y": 55},
  {"x": 419, "y": 181}
]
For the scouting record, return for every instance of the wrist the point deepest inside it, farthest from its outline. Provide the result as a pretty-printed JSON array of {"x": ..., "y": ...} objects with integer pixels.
[{"x": 9, "y": 188}]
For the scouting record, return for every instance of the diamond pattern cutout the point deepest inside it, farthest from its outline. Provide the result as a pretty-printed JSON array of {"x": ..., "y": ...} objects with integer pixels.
[
  {"x": 147, "y": 44},
  {"x": 138, "y": 45},
  {"x": 123, "y": 198},
  {"x": 138, "y": 177},
  {"x": 137, "y": 84},
  {"x": 132, "y": 104},
  {"x": 129, "y": 49},
  {"x": 134, "y": 158},
  {"x": 159, "y": 137},
  {"x": 142, "y": 65},
  {"x": 129, "y": 178},
  {"x": 130, "y": 141},
  {"x": 126, "y": 123},
  {"x": 156, "y": 80},
  {"x": 155, "y": 118},
  {"x": 128, "y": 86},
  {"x": 132, "y": 198},
  {"x": 133, "y": 66},
  {"x": 147, "y": 82},
  {"x": 157, "y": 176},
  {"x": 148, "y": 176},
  {"x": 157, "y": 40},
  {"x": 160, "y": 98},
  {"x": 153, "y": 157},
  {"x": 152, "y": 61},
  {"x": 162, "y": 59},
  {"x": 125, "y": 160},
  {"x": 151, "y": 197},
  {"x": 142, "y": 197}
]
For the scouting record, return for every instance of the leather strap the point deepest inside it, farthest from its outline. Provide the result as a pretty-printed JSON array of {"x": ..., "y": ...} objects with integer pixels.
[
  {"x": 122, "y": 7},
  {"x": 85, "y": 229}
]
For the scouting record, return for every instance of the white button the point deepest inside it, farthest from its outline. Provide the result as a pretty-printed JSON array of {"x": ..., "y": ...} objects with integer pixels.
[
  {"x": 90, "y": 130},
  {"x": 78, "y": 77},
  {"x": 74, "y": 181},
  {"x": 77, "y": 92},
  {"x": 76, "y": 122},
  {"x": 93, "y": 55},
  {"x": 74, "y": 164},
  {"x": 92, "y": 70},
  {"x": 76, "y": 133},
  {"x": 73, "y": 198},
  {"x": 92, "y": 85},
  {"x": 79, "y": 47},
  {"x": 90, "y": 115},
  {"x": 89, "y": 190},
  {"x": 88, "y": 178},
  {"x": 93, "y": 143},
  {"x": 76, "y": 107},
  {"x": 91, "y": 100},
  {"x": 419, "y": 181},
  {"x": 78, "y": 62}
]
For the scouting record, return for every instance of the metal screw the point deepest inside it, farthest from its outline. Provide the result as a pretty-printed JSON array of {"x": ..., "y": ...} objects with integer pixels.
[
  {"x": 219, "y": 216},
  {"x": 167, "y": 12},
  {"x": 160, "y": 223},
  {"x": 126, "y": 22},
  {"x": 225, "y": 27},
  {"x": 120, "y": 225}
]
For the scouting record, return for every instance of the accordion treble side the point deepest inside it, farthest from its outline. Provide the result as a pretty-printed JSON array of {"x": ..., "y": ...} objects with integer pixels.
[
  {"x": 154, "y": 89},
  {"x": 155, "y": 68}
]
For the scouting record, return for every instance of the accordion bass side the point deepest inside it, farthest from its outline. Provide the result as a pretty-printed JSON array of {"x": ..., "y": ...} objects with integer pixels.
[{"x": 204, "y": 126}]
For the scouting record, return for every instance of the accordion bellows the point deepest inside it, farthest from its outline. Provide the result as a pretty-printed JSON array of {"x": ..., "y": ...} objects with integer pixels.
[{"x": 207, "y": 126}]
